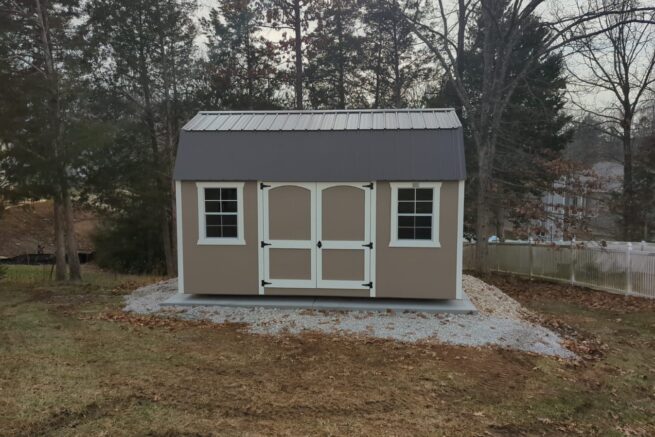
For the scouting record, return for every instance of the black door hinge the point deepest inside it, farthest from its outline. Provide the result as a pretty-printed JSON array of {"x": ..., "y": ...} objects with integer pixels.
[
  {"x": 264, "y": 283},
  {"x": 263, "y": 244},
  {"x": 369, "y": 245},
  {"x": 369, "y": 285},
  {"x": 368, "y": 185},
  {"x": 263, "y": 185}
]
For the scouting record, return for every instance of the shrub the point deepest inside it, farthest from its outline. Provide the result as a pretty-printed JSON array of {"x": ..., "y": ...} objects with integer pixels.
[
  {"x": 3, "y": 271},
  {"x": 130, "y": 243}
]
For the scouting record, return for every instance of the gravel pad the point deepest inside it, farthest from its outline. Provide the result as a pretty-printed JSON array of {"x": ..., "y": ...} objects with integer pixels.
[{"x": 503, "y": 324}]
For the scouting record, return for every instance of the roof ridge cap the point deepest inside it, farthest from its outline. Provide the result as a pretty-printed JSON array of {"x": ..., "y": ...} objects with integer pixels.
[{"x": 323, "y": 111}]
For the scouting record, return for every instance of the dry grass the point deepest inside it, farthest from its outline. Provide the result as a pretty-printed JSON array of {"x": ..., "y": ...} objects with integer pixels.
[
  {"x": 71, "y": 364},
  {"x": 91, "y": 275}
]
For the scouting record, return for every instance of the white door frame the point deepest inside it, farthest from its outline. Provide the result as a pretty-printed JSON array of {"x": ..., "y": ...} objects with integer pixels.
[
  {"x": 347, "y": 245},
  {"x": 266, "y": 244},
  {"x": 316, "y": 280}
]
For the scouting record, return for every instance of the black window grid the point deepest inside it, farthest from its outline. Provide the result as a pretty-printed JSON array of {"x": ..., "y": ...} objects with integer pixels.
[
  {"x": 415, "y": 213},
  {"x": 221, "y": 213}
]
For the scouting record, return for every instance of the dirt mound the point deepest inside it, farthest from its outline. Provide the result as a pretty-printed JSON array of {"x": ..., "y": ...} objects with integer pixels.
[{"x": 24, "y": 227}]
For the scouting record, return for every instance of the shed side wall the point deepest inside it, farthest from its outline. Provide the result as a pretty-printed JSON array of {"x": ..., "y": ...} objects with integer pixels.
[
  {"x": 417, "y": 273},
  {"x": 214, "y": 269}
]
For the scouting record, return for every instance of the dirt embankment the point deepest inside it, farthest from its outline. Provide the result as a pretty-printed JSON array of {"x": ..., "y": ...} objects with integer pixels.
[{"x": 24, "y": 227}]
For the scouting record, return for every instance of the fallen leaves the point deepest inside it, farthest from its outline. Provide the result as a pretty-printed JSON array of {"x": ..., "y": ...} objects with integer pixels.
[
  {"x": 524, "y": 289},
  {"x": 158, "y": 321}
]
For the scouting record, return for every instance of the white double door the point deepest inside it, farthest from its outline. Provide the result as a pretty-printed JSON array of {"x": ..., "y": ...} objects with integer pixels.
[{"x": 316, "y": 235}]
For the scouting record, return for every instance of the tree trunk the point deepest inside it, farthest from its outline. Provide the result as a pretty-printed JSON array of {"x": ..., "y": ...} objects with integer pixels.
[
  {"x": 160, "y": 176},
  {"x": 55, "y": 115},
  {"x": 297, "y": 27},
  {"x": 397, "y": 83},
  {"x": 483, "y": 206},
  {"x": 481, "y": 230},
  {"x": 60, "y": 248},
  {"x": 499, "y": 221},
  {"x": 341, "y": 86},
  {"x": 169, "y": 82},
  {"x": 74, "y": 270},
  {"x": 249, "y": 72},
  {"x": 628, "y": 195},
  {"x": 378, "y": 75},
  {"x": 168, "y": 243}
]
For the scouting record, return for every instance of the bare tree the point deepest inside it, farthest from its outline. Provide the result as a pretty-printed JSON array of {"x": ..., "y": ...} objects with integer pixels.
[
  {"x": 445, "y": 35},
  {"x": 619, "y": 62}
]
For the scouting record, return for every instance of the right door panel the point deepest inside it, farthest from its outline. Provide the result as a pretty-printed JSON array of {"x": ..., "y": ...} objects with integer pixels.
[{"x": 344, "y": 235}]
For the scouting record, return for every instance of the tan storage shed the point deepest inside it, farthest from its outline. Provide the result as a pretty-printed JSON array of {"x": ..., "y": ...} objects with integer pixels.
[{"x": 352, "y": 203}]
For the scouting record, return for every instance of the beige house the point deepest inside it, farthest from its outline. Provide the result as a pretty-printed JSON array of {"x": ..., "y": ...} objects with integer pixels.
[{"x": 353, "y": 203}]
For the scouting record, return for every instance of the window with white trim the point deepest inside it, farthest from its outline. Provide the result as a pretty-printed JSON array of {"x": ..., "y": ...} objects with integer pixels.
[
  {"x": 415, "y": 214},
  {"x": 220, "y": 213}
]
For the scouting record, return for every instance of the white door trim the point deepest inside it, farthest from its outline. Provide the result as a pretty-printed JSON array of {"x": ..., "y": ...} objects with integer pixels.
[
  {"x": 316, "y": 227},
  {"x": 460, "y": 239},
  {"x": 264, "y": 250},
  {"x": 373, "y": 238},
  {"x": 180, "y": 239},
  {"x": 260, "y": 235}
]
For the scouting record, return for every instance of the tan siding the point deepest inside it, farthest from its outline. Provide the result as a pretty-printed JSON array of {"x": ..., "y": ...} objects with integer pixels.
[
  {"x": 289, "y": 213},
  {"x": 343, "y": 264},
  {"x": 343, "y": 213},
  {"x": 211, "y": 269},
  {"x": 421, "y": 273},
  {"x": 290, "y": 263}
]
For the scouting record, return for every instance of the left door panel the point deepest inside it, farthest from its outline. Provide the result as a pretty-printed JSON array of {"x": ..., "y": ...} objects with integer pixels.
[{"x": 288, "y": 232}]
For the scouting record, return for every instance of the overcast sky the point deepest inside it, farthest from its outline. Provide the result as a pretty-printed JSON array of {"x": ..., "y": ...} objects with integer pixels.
[{"x": 595, "y": 99}]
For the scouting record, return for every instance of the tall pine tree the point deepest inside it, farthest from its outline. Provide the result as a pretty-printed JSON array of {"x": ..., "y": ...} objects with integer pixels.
[
  {"x": 241, "y": 70},
  {"x": 140, "y": 56},
  {"x": 39, "y": 110},
  {"x": 394, "y": 64},
  {"x": 334, "y": 77},
  {"x": 293, "y": 17}
]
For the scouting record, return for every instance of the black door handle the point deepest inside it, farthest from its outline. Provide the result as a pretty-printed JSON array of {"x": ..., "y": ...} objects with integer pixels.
[{"x": 319, "y": 244}]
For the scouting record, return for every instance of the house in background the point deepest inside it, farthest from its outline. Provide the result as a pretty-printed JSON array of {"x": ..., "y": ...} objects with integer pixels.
[
  {"x": 592, "y": 209},
  {"x": 353, "y": 203}
]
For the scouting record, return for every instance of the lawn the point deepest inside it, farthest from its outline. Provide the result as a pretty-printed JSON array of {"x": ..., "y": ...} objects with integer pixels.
[{"x": 71, "y": 364}]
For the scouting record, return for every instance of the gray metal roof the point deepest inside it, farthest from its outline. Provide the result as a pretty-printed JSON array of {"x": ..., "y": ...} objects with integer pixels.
[
  {"x": 305, "y": 146},
  {"x": 332, "y": 120}
]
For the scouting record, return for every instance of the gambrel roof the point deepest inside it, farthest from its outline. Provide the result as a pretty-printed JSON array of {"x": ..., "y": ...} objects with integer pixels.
[{"x": 322, "y": 146}]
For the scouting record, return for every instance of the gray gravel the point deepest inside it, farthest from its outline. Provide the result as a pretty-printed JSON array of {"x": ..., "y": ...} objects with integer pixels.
[{"x": 506, "y": 329}]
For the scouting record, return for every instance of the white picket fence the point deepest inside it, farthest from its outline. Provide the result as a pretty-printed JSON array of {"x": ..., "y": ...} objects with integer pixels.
[{"x": 627, "y": 271}]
